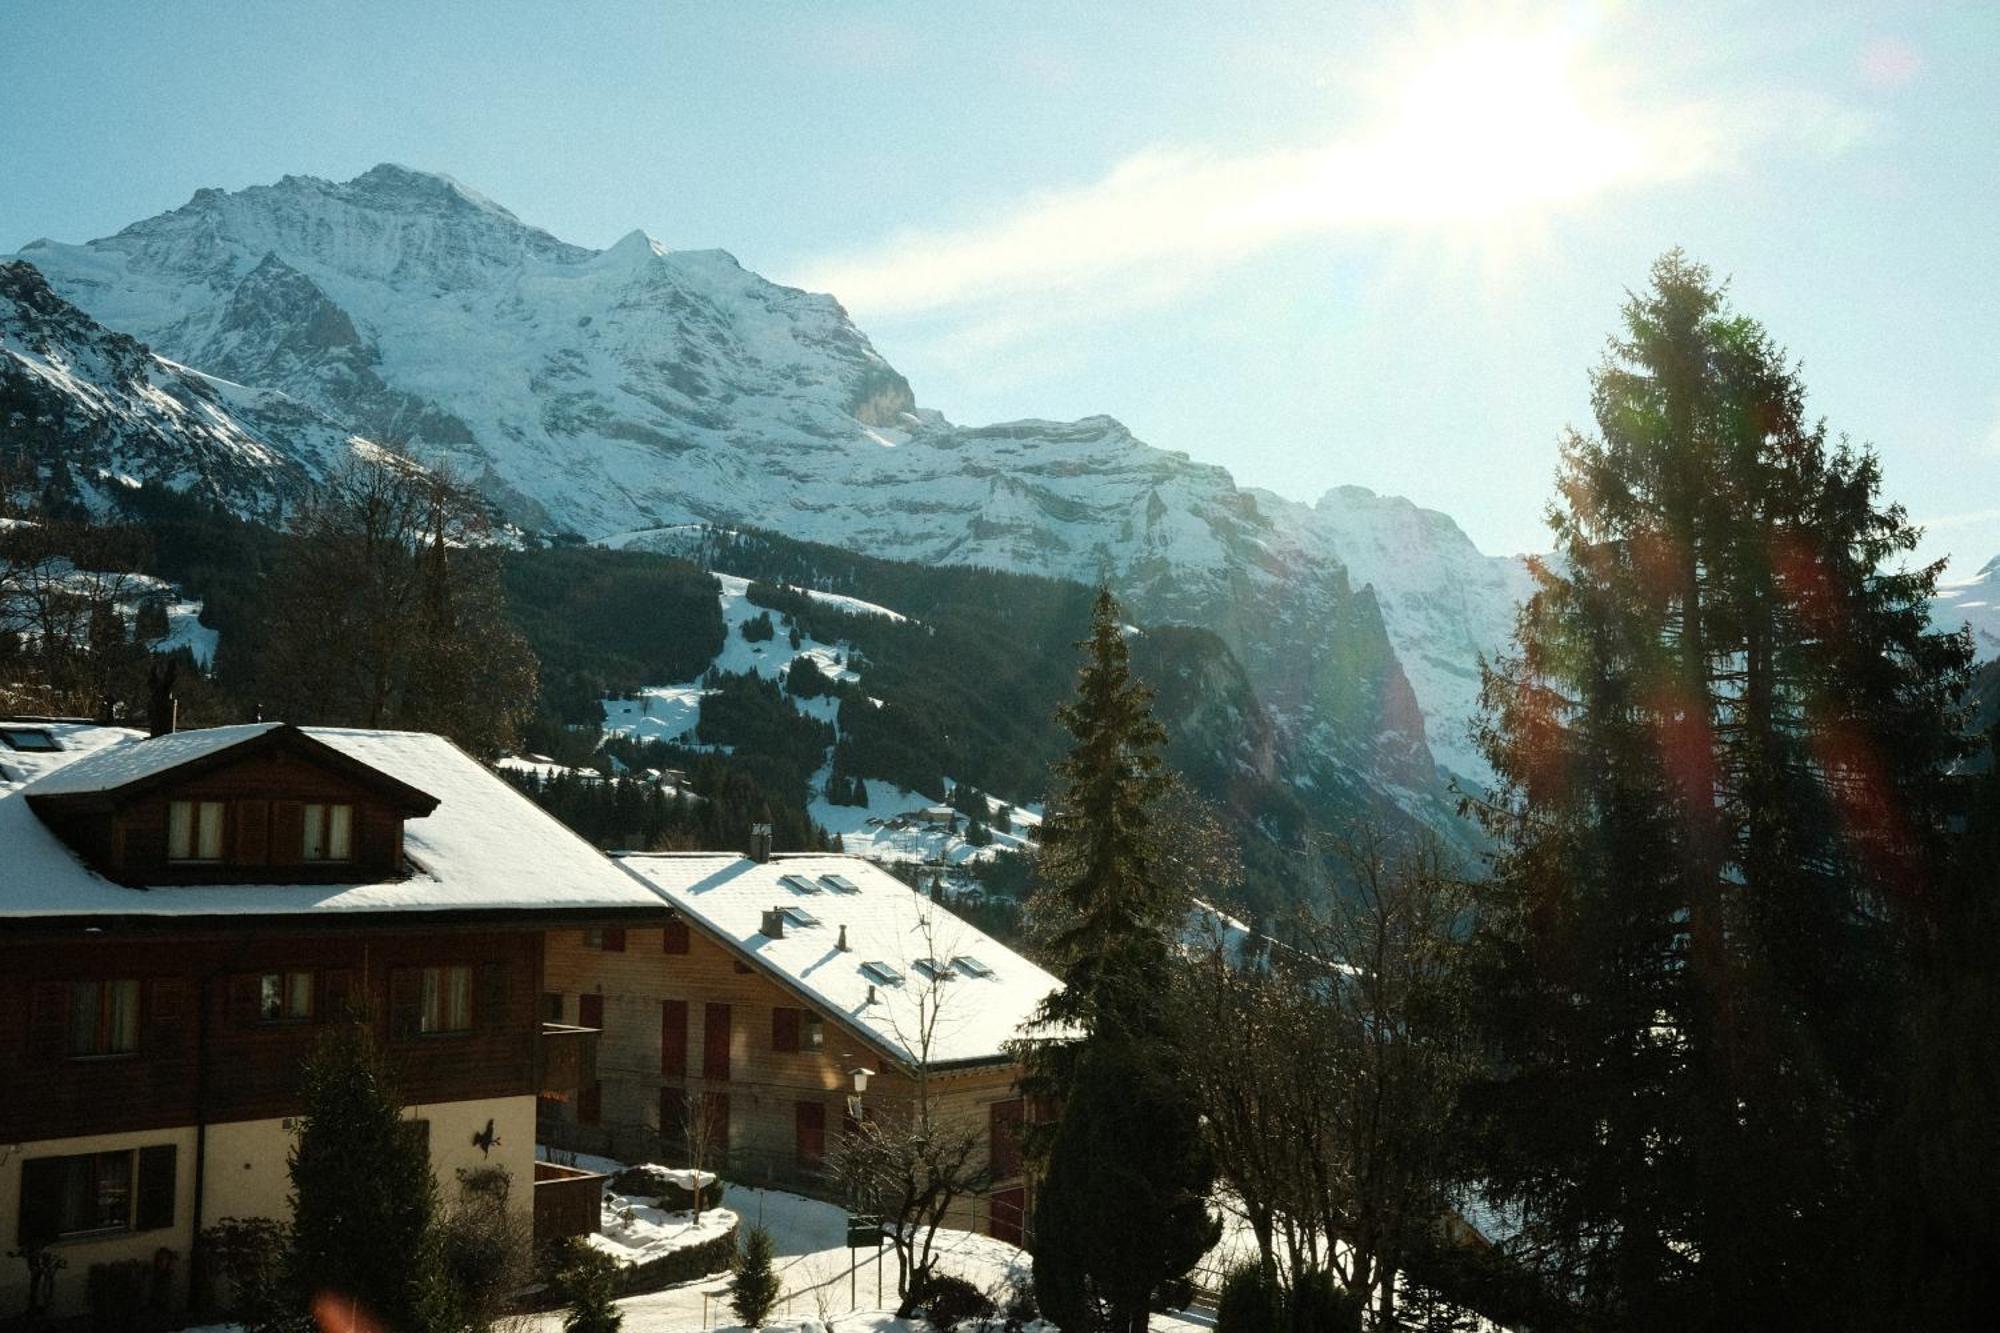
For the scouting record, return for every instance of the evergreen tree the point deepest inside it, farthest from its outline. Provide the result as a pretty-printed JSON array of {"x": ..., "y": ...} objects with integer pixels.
[
  {"x": 1717, "y": 744},
  {"x": 753, "y": 1292},
  {"x": 363, "y": 1199},
  {"x": 1122, "y": 1214}
]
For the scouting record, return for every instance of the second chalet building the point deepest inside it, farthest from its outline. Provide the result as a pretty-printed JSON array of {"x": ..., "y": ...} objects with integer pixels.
[{"x": 742, "y": 1022}]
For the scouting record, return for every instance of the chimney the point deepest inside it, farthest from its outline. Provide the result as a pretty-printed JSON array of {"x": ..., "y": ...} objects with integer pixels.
[
  {"x": 760, "y": 843},
  {"x": 871, "y": 994},
  {"x": 842, "y": 946},
  {"x": 162, "y": 709},
  {"x": 774, "y": 923}
]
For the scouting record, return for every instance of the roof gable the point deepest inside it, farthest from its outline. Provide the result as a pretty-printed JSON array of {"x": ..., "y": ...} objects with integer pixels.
[{"x": 115, "y": 775}]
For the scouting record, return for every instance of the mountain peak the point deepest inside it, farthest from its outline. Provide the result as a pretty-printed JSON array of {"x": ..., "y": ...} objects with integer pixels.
[{"x": 394, "y": 182}]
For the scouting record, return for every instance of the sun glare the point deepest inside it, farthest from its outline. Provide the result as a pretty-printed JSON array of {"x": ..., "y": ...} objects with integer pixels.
[{"x": 1490, "y": 125}]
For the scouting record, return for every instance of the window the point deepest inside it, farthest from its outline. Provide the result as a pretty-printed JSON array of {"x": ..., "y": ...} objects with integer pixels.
[
  {"x": 971, "y": 966},
  {"x": 798, "y": 884},
  {"x": 96, "y": 1193},
  {"x": 796, "y": 1030},
  {"x": 552, "y": 1007},
  {"x": 609, "y": 939},
  {"x": 881, "y": 974},
  {"x": 38, "y": 740},
  {"x": 329, "y": 834},
  {"x": 447, "y": 999},
  {"x": 285, "y": 997},
  {"x": 103, "y": 1017},
  {"x": 840, "y": 883},
  {"x": 194, "y": 830},
  {"x": 674, "y": 939},
  {"x": 798, "y": 916},
  {"x": 933, "y": 969}
]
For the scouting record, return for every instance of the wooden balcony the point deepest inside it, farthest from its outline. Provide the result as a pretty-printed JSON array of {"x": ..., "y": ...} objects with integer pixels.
[
  {"x": 565, "y": 1060},
  {"x": 568, "y": 1201}
]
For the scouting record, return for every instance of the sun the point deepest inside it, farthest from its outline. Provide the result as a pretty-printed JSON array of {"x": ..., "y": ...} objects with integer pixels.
[{"x": 1490, "y": 124}]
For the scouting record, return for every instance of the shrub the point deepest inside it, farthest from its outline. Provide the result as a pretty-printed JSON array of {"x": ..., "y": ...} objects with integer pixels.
[
  {"x": 587, "y": 1281},
  {"x": 483, "y": 1246},
  {"x": 1251, "y": 1301},
  {"x": 245, "y": 1266},
  {"x": 949, "y": 1301},
  {"x": 754, "y": 1290},
  {"x": 1319, "y": 1304}
]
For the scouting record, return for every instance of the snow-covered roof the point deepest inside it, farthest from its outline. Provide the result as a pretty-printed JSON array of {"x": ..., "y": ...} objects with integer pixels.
[
  {"x": 974, "y": 1000},
  {"x": 486, "y": 847},
  {"x": 110, "y": 766}
]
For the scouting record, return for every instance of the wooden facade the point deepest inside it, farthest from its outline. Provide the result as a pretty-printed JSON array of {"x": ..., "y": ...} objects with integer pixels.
[{"x": 686, "y": 1025}]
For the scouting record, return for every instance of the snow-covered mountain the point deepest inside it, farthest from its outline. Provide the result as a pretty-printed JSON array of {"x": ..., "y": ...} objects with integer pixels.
[
  {"x": 622, "y": 393},
  {"x": 1975, "y": 603},
  {"x": 93, "y": 409}
]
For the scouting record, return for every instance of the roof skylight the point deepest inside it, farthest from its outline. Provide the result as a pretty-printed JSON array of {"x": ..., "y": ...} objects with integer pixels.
[
  {"x": 798, "y": 884},
  {"x": 840, "y": 883},
  {"x": 39, "y": 740},
  {"x": 882, "y": 974}
]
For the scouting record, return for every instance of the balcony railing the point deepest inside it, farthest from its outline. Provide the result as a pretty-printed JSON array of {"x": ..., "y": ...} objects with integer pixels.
[{"x": 568, "y": 1201}]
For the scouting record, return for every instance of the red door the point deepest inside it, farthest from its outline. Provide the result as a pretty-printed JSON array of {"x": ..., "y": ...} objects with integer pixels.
[
  {"x": 1003, "y": 1151},
  {"x": 1006, "y": 1214},
  {"x": 811, "y": 1121},
  {"x": 715, "y": 1041},
  {"x": 674, "y": 1038},
  {"x": 590, "y": 1011}
]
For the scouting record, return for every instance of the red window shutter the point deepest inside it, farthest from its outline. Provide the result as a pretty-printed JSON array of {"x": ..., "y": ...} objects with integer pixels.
[
  {"x": 784, "y": 1029},
  {"x": 1003, "y": 1150},
  {"x": 715, "y": 1041},
  {"x": 674, "y": 1038},
  {"x": 674, "y": 939},
  {"x": 48, "y": 1021},
  {"x": 811, "y": 1133},
  {"x": 253, "y": 832},
  {"x": 491, "y": 1013},
  {"x": 715, "y": 1106},
  {"x": 337, "y": 999},
  {"x": 288, "y": 833},
  {"x": 614, "y": 939},
  {"x": 406, "y": 1001},
  {"x": 1007, "y": 1215},
  {"x": 590, "y": 1011},
  {"x": 590, "y": 1104},
  {"x": 155, "y": 1204},
  {"x": 674, "y": 1119}
]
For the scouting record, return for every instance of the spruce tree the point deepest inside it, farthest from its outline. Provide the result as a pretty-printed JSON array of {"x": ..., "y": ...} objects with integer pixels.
[
  {"x": 363, "y": 1199},
  {"x": 1122, "y": 1214},
  {"x": 1718, "y": 743},
  {"x": 753, "y": 1292}
]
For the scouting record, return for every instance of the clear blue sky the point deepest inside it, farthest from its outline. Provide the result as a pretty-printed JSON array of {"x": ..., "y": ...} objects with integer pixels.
[{"x": 1316, "y": 243}]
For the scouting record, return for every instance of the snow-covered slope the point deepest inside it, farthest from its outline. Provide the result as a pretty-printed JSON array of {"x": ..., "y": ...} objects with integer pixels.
[
  {"x": 93, "y": 408},
  {"x": 1975, "y": 603},
  {"x": 634, "y": 390}
]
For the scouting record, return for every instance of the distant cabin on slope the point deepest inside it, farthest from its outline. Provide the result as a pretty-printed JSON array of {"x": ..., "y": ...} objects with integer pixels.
[
  {"x": 180, "y": 916},
  {"x": 775, "y": 981}
]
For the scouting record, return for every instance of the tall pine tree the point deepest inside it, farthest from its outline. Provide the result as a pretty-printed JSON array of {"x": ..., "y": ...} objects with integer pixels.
[
  {"x": 1122, "y": 1214},
  {"x": 1719, "y": 742}
]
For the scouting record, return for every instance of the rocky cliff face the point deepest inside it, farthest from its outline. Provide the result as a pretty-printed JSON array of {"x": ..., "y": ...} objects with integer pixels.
[
  {"x": 92, "y": 410},
  {"x": 621, "y": 392}
]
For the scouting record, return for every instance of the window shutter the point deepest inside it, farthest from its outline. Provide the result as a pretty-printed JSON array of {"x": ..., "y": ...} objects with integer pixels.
[
  {"x": 674, "y": 1038},
  {"x": 406, "y": 1001},
  {"x": 162, "y": 1009},
  {"x": 244, "y": 998},
  {"x": 41, "y": 1201},
  {"x": 253, "y": 832},
  {"x": 811, "y": 1133},
  {"x": 674, "y": 939},
  {"x": 288, "y": 832},
  {"x": 337, "y": 998},
  {"x": 784, "y": 1029},
  {"x": 492, "y": 1002},
  {"x": 614, "y": 939},
  {"x": 156, "y": 1188},
  {"x": 48, "y": 1019}
]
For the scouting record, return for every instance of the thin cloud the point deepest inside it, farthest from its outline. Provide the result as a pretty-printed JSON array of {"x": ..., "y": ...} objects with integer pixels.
[{"x": 1459, "y": 149}]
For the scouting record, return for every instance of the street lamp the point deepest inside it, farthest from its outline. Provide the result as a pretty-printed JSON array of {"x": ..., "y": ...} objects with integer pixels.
[{"x": 860, "y": 1076}]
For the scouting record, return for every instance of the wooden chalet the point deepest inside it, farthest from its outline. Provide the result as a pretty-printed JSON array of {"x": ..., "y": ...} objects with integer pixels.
[
  {"x": 740, "y": 1023},
  {"x": 179, "y": 917}
]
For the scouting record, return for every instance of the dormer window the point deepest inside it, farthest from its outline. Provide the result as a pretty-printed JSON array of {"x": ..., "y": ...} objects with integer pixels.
[
  {"x": 194, "y": 830},
  {"x": 329, "y": 832},
  {"x": 36, "y": 740}
]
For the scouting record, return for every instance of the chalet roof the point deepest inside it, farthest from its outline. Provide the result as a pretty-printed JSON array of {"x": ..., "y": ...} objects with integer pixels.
[
  {"x": 926, "y": 966},
  {"x": 486, "y": 848}
]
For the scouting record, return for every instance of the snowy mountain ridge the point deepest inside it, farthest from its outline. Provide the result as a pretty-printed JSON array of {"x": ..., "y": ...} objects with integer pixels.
[{"x": 640, "y": 388}]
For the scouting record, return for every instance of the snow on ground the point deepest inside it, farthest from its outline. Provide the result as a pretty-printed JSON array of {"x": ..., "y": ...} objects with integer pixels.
[
  {"x": 891, "y": 827},
  {"x": 635, "y": 1232}
]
